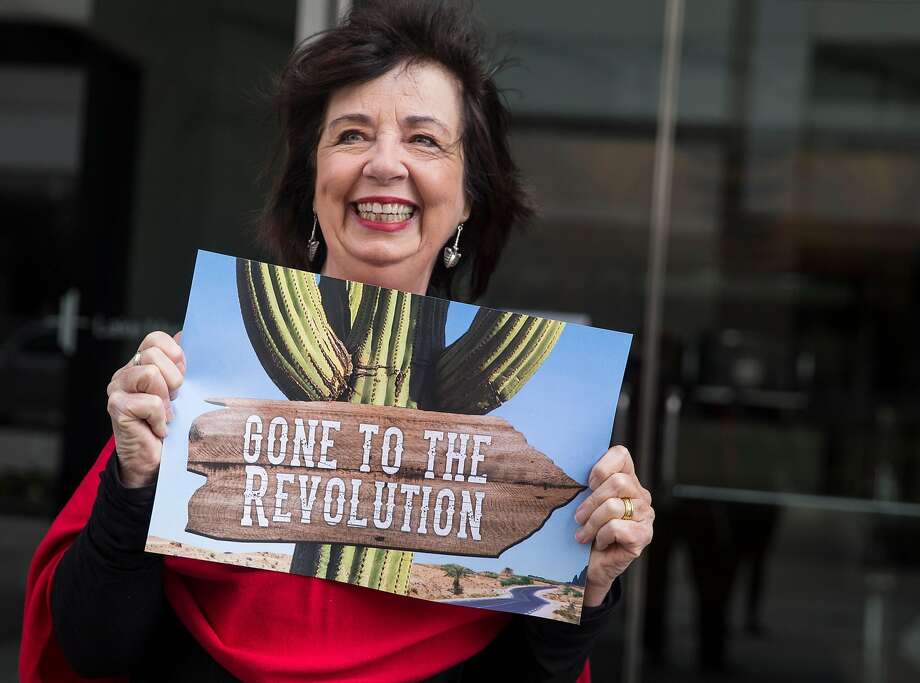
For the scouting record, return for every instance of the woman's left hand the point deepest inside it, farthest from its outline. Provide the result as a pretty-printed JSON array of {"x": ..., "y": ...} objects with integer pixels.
[{"x": 617, "y": 541}]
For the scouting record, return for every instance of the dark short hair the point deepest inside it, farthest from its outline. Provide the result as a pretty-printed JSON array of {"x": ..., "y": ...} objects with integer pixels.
[{"x": 373, "y": 38}]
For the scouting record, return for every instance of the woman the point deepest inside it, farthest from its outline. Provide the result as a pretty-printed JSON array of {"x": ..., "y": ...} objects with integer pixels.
[{"x": 396, "y": 166}]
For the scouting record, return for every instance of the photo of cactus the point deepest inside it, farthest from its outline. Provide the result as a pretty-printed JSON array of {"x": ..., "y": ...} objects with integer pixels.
[{"x": 261, "y": 331}]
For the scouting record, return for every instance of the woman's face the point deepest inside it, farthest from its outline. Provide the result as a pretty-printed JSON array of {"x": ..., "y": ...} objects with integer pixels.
[{"x": 389, "y": 176}]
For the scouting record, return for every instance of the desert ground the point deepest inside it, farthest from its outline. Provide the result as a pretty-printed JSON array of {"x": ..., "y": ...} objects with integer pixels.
[
  {"x": 275, "y": 561},
  {"x": 427, "y": 581},
  {"x": 564, "y": 606},
  {"x": 431, "y": 582}
]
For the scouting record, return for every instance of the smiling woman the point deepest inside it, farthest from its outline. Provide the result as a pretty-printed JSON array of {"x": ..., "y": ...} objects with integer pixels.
[
  {"x": 389, "y": 176},
  {"x": 394, "y": 140},
  {"x": 396, "y": 107}
]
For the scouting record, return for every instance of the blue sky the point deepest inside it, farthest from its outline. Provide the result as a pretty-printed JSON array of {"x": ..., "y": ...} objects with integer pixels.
[{"x": 566, "y": 411}]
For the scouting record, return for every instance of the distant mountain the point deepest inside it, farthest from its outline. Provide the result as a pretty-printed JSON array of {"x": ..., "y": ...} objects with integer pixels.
[{"x": 581, "y": 579}]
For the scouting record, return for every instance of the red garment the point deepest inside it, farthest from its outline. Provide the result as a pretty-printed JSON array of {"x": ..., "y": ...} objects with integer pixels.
[{"x": 264, "y": 626}]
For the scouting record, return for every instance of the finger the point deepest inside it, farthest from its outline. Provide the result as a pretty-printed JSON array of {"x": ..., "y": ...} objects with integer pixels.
[
  {"x": 137, "y": 438},
  {"x": 143, "y": 379},
  {"x": 128, "y": 410},
  {"x": 629, "y": 536},
  {"x": 617, "y": 485},
  {"x": 617, "y": 459},
  {"x": 178, "y": 337},
  {"x": 609, "y": 509},
  {"x": 167, "y": 344},
  {"x": 171, "y": 373}
]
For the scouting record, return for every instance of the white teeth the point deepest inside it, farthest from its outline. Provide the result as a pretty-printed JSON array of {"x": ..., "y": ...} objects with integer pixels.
[
  {"x": 383, "y": 217},
  {"x": 376, "y": 207},
  {"x": 385, "y": 213}
]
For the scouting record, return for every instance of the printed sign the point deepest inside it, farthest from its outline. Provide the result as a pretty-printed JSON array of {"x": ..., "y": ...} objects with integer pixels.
[
  {"x": 386, "y": 439},
  {"x": 389, "y": 477}
]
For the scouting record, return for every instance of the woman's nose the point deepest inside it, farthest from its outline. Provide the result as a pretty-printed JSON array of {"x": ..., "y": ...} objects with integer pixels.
[{"x": 385, "y": 164}]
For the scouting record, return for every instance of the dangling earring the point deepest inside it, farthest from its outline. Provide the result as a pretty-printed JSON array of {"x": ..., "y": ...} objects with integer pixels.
[
  {"x": 452, "y": 253},
  {"x": 312, "y": 243}
]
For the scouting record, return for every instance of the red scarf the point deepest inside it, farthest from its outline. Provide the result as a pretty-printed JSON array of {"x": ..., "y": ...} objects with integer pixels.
[{"x": 264, "y": 626}]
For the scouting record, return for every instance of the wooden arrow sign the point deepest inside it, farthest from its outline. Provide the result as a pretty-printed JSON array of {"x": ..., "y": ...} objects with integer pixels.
[{"x": 399, "y": 478}]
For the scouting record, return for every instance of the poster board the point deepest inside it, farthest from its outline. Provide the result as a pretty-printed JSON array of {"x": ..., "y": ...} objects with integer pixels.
[{"x": 395, "y": 441}]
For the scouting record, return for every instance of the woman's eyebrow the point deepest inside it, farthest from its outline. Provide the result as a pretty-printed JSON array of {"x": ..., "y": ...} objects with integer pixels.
[
  {"x": 361, "y": 119},
  {"x": 411, "y": 121},
  {"x": 415, "y": 121}
]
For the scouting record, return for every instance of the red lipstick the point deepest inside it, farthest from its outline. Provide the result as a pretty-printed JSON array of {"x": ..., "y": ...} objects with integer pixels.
[{"x": 379, "y": 225}]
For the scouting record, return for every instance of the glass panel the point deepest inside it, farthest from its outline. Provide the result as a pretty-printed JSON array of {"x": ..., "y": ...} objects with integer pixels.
[
  {"x": 789, "y": 478},
  {"x": 40, "y": 119},
  {"x": 150, "y": 94},
  {"x": 584, "y": 100}
]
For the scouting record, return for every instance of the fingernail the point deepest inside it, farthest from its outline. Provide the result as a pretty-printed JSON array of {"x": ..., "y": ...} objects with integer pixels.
[
  {"x": 580, "y": 513},
  {"x": 580, "y": 535}
]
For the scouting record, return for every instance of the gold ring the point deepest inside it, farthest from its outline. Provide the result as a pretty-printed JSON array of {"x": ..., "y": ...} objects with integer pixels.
[
  {"x": 136, "y": 359},
  {"x": 628, "y": 511}
]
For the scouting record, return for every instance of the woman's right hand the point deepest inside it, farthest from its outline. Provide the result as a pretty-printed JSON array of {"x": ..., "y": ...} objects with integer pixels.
[{"x": 139, "y": 405}]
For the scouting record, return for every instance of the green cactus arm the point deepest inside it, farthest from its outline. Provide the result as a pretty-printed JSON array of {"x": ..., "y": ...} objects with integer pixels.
[
  {"x": 355, "y": 295},
  {"x": 346, "y": 557},
  {"x": 490, "y": 363},
  {"x": 288, "y": 329},
  {"x": 323, "y": 552},
  {"x": 488, "y": 335},
  {"x": 399, "y": 356},
  {"x": 404, "y": 570}
]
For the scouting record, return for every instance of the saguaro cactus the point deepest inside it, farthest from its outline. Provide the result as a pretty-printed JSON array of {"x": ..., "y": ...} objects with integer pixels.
[
  {"x": 287, "y": 325},
  {"x": 364, "y": 344}
]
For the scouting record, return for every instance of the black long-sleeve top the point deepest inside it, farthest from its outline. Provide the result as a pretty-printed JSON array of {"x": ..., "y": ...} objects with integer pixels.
[{"x": 111, "y": 616}]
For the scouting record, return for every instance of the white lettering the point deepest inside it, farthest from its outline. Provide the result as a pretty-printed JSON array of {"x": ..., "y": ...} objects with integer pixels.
[
  {"x": 423, "y": 513},
  {"x": 439, "y": 529},
  {"x": 306, "y": 503},
  {"x": 353, "y": 512},
  {"x": 301, "y": 442},
  {"x": 270, "y": 449},
  {"x": 378, "y": 504},
  {"x": 433, "y": 438},
  {"x": 330, "y": 517},
  {"x": 409, "y": 490},
  {"x": 455, "y": 456},
  {"x": 250, "y": 496},
  {"x": 477, "y": 457},
  {"x": 388, "y": 436},
  {"x": 326, "y": 443},
  {"x": 368, "y": 430},
  {"x": 281, "y": 496},
  {"x": 468, "y": 515},
  {"x": 253, "y": 437}
]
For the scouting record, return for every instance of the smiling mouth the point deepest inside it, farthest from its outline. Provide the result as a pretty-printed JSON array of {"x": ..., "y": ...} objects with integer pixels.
[{"x": 377, "y": 212}]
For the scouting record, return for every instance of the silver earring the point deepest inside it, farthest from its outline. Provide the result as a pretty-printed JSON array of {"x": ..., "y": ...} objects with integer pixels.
[
  {"x": 452, "y": 253},
  {"x": 313, "y": 243}
]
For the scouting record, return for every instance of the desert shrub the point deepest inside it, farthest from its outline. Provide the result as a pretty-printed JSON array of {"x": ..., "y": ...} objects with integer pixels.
[{"x": 517, "y": 581}]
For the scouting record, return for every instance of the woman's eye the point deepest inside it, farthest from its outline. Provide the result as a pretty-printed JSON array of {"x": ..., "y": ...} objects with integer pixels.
[
  {"x": 426, "y": 140},
  {"x": 351, "y": 136}
]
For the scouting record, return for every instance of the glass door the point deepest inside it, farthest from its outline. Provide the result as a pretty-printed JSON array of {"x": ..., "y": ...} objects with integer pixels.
[{"x": 788, "y": 430}]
